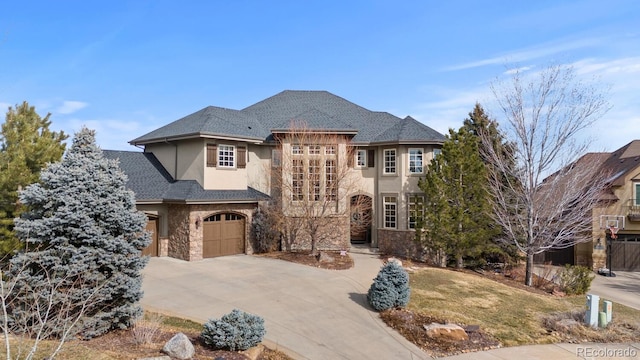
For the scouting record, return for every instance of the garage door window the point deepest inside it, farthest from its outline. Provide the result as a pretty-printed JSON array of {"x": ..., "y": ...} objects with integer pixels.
[
  {"x": 217, "y": 217},
  {"x": 232, "y": 217}
]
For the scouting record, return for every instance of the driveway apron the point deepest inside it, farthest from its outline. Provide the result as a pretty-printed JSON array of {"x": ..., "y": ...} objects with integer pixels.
[{"x": 310, "y": 313}]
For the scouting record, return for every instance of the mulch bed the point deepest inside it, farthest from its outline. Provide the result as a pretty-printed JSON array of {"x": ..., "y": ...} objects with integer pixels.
[
  {"x": 340, "y": 262},
  {"x": 411, "y": 326}
]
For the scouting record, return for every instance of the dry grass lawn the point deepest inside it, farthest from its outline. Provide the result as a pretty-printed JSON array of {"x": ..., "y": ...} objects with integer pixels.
[{"x": 514, "y": 316}]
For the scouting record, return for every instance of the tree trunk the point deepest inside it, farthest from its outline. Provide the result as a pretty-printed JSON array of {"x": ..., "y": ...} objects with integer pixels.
[
  {"x": 528, "y": 277},
  {"x": 459, "y": 262}
]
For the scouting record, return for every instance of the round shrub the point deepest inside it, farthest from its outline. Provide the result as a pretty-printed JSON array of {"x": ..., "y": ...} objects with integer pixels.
[
  {"x": 237, "y": 330},
  {"x": 390, "y": 288}
]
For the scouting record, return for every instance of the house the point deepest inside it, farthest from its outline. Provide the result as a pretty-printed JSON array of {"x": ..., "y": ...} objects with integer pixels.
[
  {"x": 201, "y": 177},
  {"x": 618, "y": 211}
]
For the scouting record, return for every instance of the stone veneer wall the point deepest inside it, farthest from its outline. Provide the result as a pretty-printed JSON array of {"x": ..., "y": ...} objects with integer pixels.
[
  {"x": 333, "y": 236},
  {"x": 185, "y": 237},
  {"x": 400, "y": 243}
]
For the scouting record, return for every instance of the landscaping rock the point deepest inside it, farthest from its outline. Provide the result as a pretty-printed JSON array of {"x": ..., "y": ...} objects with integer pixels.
[
  {"x": 324, "y": 257},
  {"x": 156, "y": 358},
  {"x": 179, "y": 347},
  {"x": 451, "y": 332},
  {"x": 254, "y": 352}
]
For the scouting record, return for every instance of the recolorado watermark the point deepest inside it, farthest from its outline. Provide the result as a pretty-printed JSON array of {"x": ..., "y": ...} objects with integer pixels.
[{"x": 605, "y": 352}]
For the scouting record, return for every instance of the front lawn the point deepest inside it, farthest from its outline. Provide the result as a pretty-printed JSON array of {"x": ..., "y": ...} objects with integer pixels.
[{"x": 509, "y": 314}]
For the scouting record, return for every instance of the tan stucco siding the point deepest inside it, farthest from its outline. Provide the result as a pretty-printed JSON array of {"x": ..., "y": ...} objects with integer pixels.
[
  {"x": 221, "y": 178},
  {"x": 190, "y": 160},
  {"x": 259, "y": 167},
  {"x": 165, "y": 153}
]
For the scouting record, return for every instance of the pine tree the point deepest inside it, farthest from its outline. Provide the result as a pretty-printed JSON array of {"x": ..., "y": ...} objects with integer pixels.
[
  {"x": 83, "y": 233},
  {"x": 26, "y": 146},
  {"x": 456, "y": 220}
]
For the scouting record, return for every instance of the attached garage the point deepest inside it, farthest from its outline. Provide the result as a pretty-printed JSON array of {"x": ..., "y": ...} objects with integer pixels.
[
  {"x": 152, "y": 227},
  {"x": 625, "y": 254},
  {"x": 223, "y": 234}
]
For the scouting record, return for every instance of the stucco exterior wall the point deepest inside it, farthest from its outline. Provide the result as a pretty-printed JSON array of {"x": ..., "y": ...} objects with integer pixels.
[
  {"x": 166, "y": 153},
  {"x": 259, "y": 167},
  {"x": 220, "y": 178}
]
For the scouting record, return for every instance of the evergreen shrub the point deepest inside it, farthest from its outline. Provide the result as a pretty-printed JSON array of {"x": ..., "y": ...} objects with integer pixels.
[
  {"x": 390, "y": 288},
  {"x": 237, "y": 330},
  {"x": 575, "y": 280},
  {"x": 264, "y": 232}
]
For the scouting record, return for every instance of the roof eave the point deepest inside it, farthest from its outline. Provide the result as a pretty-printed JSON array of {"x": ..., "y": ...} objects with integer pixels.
[{"x": 198, "y": 135}]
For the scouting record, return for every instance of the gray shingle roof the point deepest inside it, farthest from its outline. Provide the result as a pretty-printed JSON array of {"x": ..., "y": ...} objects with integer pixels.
[
  {"x": 315, "y": 109},
  {"x": 148, "y": 179}
]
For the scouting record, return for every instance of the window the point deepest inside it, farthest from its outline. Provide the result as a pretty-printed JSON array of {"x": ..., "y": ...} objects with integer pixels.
[
  {"x": 361, "y": 158},
  {"x": 437, "y": 152},
  {"x": 415, "y": 161},
  {"x": 296, "y": 149},
  {"x": 297, "y": 180},
  {"x": 390, "y": 211},
  {"x": 330, "y": 150},
  {"x": 331, "y": 190},
  {"x": 416, "y": 210},
  {"x": 390, "y": 161},
  {"x": 314, "y": 149},
  {"x": 226, "y": 156},
  {"x": 314, "y": 180},
  {"x": 637, "y": 201}
]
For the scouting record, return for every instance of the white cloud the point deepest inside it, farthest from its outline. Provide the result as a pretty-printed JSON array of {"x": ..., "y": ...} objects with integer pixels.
[
  {"x": 518, "y": 70},
  {"x": 69, "y": 107},
  {"x": 111, "y": 134}
]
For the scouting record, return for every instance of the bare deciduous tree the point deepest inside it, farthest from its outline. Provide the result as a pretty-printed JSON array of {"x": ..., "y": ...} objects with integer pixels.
[
  {"x": 312, "y": 186},
  {"x": 31, "y": 312},
  {"x": 543, "y": 117}
]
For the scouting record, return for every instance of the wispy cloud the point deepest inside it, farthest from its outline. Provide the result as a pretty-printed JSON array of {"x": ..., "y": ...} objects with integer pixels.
[
  {"x": 112, "y": 134},
  {"x": 530, "y": 53},
  {"x": 69, "y": 107}
]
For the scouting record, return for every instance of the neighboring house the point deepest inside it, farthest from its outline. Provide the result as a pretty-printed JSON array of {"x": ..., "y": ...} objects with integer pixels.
[
  {"x": 619, "y": 208},
  {"x": 200, "y": 178}
]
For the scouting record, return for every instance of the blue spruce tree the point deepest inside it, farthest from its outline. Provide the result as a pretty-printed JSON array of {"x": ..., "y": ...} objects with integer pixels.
[{"x": 83, "y": 238}]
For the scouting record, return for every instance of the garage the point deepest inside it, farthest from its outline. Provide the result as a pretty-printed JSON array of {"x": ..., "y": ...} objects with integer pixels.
[
  {"x": 223, "y": 234},
  {"x": 625, "y": 254},
  {"x": 152, "y": 227}
]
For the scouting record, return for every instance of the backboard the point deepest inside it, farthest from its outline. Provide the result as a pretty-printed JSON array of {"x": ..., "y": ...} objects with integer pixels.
[{"x": 608, "y": 221}]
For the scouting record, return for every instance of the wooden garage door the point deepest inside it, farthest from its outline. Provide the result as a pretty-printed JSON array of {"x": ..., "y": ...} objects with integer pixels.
[
  {"x": 152, "y": 227},
  {"x": 223, "y": 234},
  {"x": 625, "y": 255}
]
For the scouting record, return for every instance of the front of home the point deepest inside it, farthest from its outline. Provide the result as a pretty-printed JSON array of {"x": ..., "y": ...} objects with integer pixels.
[{"x": 200, "y": 178}]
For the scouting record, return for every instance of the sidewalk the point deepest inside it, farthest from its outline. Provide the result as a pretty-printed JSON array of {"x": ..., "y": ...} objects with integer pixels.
[{"x": 556, "y": 352}]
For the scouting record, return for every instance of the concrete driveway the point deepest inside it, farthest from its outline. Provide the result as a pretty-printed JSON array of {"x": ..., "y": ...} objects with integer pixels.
[
  {"x": 310, "y": 313},
  {"x": 624, "y": 288}
]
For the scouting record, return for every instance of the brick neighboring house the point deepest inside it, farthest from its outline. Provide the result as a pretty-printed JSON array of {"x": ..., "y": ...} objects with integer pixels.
[
  {"x": 619, "y": 207},
  {"x": 200, "y": 178}
]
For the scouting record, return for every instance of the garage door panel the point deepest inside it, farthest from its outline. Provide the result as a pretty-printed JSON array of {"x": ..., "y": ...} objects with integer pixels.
[
  {"x": 152, "y": 248},
  {"x": 625, "y": 256},
  {"x": 222, "y": 236}
]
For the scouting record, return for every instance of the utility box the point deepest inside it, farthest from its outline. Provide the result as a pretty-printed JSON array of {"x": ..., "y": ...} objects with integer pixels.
[
  {"x": 593, "y": 308},
  {"x": 608, "y": 309}
]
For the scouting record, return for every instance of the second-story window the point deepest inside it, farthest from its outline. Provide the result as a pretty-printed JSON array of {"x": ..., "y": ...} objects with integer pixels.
[
  {"x": 296, "y": 150},
  {"x": 226, "y": 156},
  {"x": 415, "y": 161},
  {"x": 390, "y": 161},
  {"x": 361, "y": 158}
]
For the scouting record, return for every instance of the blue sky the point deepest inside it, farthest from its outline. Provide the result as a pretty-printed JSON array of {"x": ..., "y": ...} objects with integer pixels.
[{"x": 127, "y": 67}]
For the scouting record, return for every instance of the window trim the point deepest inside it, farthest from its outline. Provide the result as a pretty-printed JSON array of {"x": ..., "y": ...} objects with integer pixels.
[
  {"x": 393, "y": 203},
  {"x": 421, "y": 150},
  {"x": 395, "y": 162},
  {"x": 357, "y": 159},
  {"x": 409, "y": 203},
  {"x": 636, "y": 195},
  {"x": 232, "y": 154}
]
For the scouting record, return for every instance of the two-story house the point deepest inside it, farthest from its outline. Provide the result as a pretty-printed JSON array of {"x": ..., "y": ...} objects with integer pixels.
[
  {"x": 616, "y": 220},
  {"x": 201, "y": 177}
]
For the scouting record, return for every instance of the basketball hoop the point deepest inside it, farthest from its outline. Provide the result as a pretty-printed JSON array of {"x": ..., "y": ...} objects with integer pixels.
[{"x": 614, "y": 232}]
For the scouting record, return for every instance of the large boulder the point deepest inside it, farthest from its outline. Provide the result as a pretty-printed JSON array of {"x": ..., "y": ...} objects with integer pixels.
[
  {"x": 450, "y": 332},
  {"x": 179, "y": 347}
]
